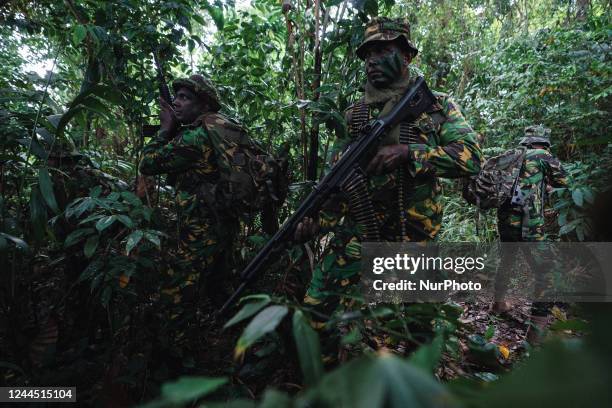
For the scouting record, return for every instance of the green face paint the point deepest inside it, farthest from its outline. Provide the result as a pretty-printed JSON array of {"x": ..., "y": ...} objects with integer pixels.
[{"x": 385, "y": 68}]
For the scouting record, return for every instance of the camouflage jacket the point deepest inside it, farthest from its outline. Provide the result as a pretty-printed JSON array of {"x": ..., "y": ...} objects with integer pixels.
[
  {"x": 445, "y": 146},
  {"x": 190, "y": 160},
  {"x": 540, "y": 168}
]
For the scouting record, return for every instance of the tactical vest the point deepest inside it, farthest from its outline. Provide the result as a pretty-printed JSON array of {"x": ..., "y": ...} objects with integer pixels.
[{"x": 424, "y": 130}]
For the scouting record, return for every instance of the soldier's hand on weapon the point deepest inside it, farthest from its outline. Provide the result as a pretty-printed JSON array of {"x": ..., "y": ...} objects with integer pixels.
[
  {"x": 167, "y": 118},
  {"x": 306, "y": 229},
  {"x": 388, "y": 159}
]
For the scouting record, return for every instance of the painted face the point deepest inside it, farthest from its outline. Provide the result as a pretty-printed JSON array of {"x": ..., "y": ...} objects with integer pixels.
[
  {"x": 386, "y": 62},
  {"x": 188, "y": 106}
]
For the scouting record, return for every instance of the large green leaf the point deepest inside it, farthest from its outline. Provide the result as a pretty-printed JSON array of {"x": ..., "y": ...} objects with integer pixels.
[
  {"x": 265, "y": 322},
  {"x": 383, "y": 381},
  {"x": 78, "y": 34},
  {"x": 578, "y": 197},
  {"x": 90, "y": 245},
  {"x": 216, "y": 13},
  {"x": 105, "y": 222},
  {"x": 19, "y": 243},
  {"x": 46, "y": 189},
  {"x": 38, "y": 212},
  {"x": 187, "y": 389},
  {"x": 153, "y": 238},
  {"x": 76, "y": 236},
  {"x": 247, "y": 311},
  {"x": 428, "y": 356},
  {"x": 133, "y": 240},
  {"x": 125, "y": 220},
  {"x": 308, "y": 347}
]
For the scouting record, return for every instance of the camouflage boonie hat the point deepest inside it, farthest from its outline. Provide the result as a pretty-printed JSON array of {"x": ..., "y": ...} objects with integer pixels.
[
  {"x": 386, "y": 29},
  {"x": 536, "y": 134},
  {"x": 202, "y": 87}
]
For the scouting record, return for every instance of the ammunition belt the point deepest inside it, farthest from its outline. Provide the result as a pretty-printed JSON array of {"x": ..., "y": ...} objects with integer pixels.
[{"x": 360, "y": 202}]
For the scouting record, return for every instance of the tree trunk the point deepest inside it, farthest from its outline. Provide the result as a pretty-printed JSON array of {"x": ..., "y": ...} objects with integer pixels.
[{"x": 313, "y": 159}]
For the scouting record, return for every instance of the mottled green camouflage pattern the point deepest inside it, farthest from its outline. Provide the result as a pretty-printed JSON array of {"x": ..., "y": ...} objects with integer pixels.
[
  {"x": 386, "y": 29},
  {"x": 537, "y": 131},
  {"x": 202, "y": 87},
  {"x": 189, "y": 159},
  {"x": 540, "y": 168},
  {"x": 448, "y": 149}
]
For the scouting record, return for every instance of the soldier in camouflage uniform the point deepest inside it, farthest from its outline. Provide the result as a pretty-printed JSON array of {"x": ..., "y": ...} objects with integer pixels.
[
  {"x": 187, "y": 150},
  {"x": 403, "y": 175},
  {"x": 540, "y": 169}
]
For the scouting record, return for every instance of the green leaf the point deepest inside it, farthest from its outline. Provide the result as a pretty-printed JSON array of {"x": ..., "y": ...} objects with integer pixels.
[
  {"x": 133, "y": 240},
  {"x": 578, "y": 197},
  {"x": 90, "y": 245},
  {"x": 34, "y": 147},
  {"x": 308, "y": 347},
  {"x": 382, "y": 381},
  {"x": 217, "y": 15},
  {"x": 490, "y": 332},
  {"x": 265, "y": 322},
  {"x": 247, "y": 311},
  {"x": 187, "y": 389},
  {"x": 575, "y": 324},
  {"x": 78, "y": 34},
  {"x": 19, "y": 243},
  {"x": 46, "y": 189},
  {"x": 428, "y": 356},
  {"x": 153, "y": 239},
  {"x": 76, "y": 236},
  {"x": 38, "y": 213},
  {"x": 91, "y": 218},
  {"x": 105, "y": 222},
  {"x": 125, "y": 220}
]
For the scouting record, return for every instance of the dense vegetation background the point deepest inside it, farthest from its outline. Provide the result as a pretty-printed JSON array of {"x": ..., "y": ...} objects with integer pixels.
[{"x": 84, "y": 298}]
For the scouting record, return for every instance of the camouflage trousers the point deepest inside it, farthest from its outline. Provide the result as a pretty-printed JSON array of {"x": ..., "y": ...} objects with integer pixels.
[
  {"x": 334, "y": 279},
  {"x": 539, "y": 258},
  {"x": 203, "y": 254},
  {"x": 336, "y": 276}
]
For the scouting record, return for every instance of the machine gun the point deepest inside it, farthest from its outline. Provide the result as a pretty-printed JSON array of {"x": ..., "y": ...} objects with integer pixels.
[{"x": 416, "y": 101}]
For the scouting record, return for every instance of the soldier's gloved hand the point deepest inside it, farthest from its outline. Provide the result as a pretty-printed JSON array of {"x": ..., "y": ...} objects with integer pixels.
[
  {"x": 169, "y": 122},
  {"x": 306, "y": 229},
  {"x": 388, "y": 159}
]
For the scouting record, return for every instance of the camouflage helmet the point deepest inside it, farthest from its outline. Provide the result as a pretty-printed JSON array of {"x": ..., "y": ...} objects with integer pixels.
[
  {"x": 536, "y": 134},
  {"x": 386, "y": 29},
  {"x": 202, "y": 87}
]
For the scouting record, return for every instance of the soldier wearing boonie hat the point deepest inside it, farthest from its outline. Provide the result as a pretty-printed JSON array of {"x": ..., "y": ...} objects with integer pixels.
[
  {"x": 384, "y": 29},
  {"x": 403, "y": 175},
  {"x": 536, "y": 134},
  {"x": 522, "y": 220},
  {"x": 200, "y": 86},
  {"x": 185, "y": 149}
]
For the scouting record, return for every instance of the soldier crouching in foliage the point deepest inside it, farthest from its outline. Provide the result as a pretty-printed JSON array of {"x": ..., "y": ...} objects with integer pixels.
[
  {"x": 185, "y": 149},
  {"x": 522, "y": 220},
  {"x": 403, "y": 176}
]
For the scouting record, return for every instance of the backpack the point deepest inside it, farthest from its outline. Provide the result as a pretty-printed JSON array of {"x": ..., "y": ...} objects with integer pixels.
[
  {"x": 494, "y": 185},
  {"x": 251, "y": 180}
]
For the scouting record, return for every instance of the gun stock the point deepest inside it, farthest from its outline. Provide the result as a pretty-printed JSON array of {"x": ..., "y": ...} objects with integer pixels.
[{"x": 416, "y": 101}]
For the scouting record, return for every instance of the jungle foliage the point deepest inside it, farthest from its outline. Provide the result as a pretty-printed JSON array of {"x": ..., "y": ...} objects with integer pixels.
[{"x": 84, "y": 249}]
